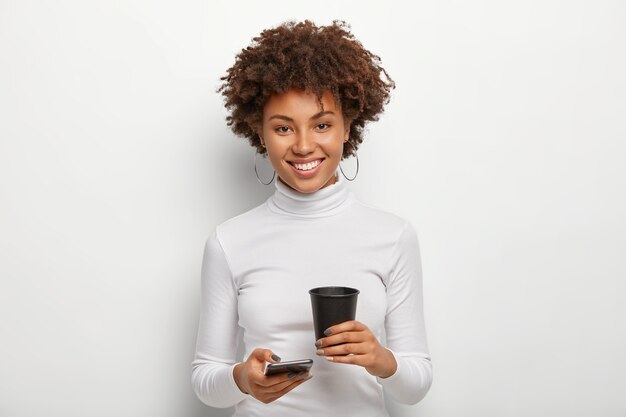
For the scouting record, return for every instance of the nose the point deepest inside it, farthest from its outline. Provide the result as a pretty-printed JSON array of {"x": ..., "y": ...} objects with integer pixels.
[{"x": 304, "y": 143}]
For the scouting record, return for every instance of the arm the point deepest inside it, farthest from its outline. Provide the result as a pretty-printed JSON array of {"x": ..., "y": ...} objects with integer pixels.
[
  {"x": 216, "y": 379},
  {"x": 403, "y": 369},
  {"x": 216, "y": 345},
  {"x": 404, "y": 323}
]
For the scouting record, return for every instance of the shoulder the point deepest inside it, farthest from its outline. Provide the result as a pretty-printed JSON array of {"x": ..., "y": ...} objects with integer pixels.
[
  {"x": 241, "y": 225},
  {"x": 383, "y": 221}
]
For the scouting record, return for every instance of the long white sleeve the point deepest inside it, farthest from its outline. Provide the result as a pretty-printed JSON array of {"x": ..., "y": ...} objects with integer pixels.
[
  {"x": 216, "y": 346},
  {"x": 404, "y": 323}
]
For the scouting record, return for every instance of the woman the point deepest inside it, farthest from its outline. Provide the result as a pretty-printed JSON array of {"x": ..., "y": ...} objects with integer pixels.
[{"x": 301, "y": 94}]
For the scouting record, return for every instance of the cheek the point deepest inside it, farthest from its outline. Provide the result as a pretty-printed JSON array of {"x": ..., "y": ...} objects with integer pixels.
[
  {"x": 275, "y": 154},
  {"x": 339, "y": 148},
  {"x": 333, "y": 144}
]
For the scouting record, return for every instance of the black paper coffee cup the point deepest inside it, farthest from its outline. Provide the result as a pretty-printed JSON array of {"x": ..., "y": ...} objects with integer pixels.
[{"x": 332, "y": 305}]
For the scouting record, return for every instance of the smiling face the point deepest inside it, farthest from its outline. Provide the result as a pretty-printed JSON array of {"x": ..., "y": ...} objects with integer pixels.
[{"x": 304, "y": 143}]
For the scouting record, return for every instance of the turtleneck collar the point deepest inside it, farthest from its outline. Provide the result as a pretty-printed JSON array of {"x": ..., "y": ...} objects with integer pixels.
[{"x": 321, "y": 203}]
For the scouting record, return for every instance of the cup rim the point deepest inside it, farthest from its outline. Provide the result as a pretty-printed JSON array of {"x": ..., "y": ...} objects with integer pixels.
[{"x": 353, "y": 292}]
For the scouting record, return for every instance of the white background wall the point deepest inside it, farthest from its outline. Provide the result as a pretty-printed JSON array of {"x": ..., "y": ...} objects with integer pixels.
[{"x": 504, "y": 144}]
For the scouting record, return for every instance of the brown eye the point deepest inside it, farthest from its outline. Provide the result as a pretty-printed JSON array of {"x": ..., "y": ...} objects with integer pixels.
[
  {"x": 324, "y": 124},
  {"x": 278, "y": 129}
]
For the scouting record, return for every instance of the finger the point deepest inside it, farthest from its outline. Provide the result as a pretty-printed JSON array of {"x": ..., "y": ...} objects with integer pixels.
[
  {"x": 291, "y": 386},
  {"x": 257, "y": 360},
  {"x": 272, "y": 380},
  {"x": 360, "y": 360},
  {"x": 286, "y": 381},
  {"x": 346, "y": 326},
  {"x": 345, "y": 349},
  {"x": 265, "y": 355},
  {"x": 343, "y": 337}
]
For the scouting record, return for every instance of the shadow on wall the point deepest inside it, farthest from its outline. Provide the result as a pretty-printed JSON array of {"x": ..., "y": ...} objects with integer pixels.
[{"x": 232, "y": 180}]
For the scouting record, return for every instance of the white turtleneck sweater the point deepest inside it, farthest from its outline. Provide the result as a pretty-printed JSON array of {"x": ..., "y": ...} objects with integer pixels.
[{"x": 256, "y": 273}]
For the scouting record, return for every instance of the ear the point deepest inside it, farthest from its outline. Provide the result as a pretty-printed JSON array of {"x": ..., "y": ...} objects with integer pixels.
[
  {"x": 347, "y": 130},
  {"x": 261, "y": 138}
]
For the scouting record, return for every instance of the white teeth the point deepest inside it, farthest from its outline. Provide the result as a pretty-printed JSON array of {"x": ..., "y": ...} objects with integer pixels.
[{"x": 306, "y": 167}]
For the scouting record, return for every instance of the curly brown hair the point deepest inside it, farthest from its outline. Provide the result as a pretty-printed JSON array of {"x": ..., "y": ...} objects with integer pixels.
[{"x": 311, "y": 58}]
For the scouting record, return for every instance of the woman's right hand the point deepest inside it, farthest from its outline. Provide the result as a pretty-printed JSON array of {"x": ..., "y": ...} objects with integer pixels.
[{"x": 250, "y": 379}]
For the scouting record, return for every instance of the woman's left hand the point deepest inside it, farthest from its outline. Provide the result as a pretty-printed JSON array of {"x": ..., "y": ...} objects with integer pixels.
[{"x": 354, "y": 343}]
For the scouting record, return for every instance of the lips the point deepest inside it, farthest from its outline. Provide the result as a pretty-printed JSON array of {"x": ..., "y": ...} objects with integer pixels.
[
  {"x": 304, "y": 161},
  {"x": 307, "y": 173},
  {"x": 303, "y": 165}
]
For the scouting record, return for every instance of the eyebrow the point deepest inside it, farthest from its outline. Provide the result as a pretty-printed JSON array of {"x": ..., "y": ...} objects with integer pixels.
[{"x": 289, "y": 119}]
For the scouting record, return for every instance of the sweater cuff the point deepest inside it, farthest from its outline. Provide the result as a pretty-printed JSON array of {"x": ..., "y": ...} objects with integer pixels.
[
  {"x": 396, "y": 377},
  {"x": 238, "y": 395}
]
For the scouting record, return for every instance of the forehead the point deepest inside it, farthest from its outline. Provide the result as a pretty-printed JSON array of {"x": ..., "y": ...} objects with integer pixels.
[{"x": 299, "y": 102}]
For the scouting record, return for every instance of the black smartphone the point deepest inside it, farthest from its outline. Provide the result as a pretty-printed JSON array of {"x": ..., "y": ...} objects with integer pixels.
[{"x": 288, "y": 366}]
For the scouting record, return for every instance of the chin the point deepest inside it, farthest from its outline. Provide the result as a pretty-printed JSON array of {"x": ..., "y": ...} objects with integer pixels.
[
  {"x": 312, "y": 187},
  {"x": 308, "y": 188}
]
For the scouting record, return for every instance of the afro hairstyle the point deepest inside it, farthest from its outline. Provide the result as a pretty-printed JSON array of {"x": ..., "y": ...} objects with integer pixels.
[{"x": 311, "y": 58}]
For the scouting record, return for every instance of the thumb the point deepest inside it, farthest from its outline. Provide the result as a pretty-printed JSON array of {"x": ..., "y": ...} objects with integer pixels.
[{"x": 266, "y": 355}]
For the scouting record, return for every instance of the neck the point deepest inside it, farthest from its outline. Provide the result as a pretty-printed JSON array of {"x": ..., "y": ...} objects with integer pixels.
[
  {"x": 326, "y": 201},
  {"x": 331, "y": 181}
]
